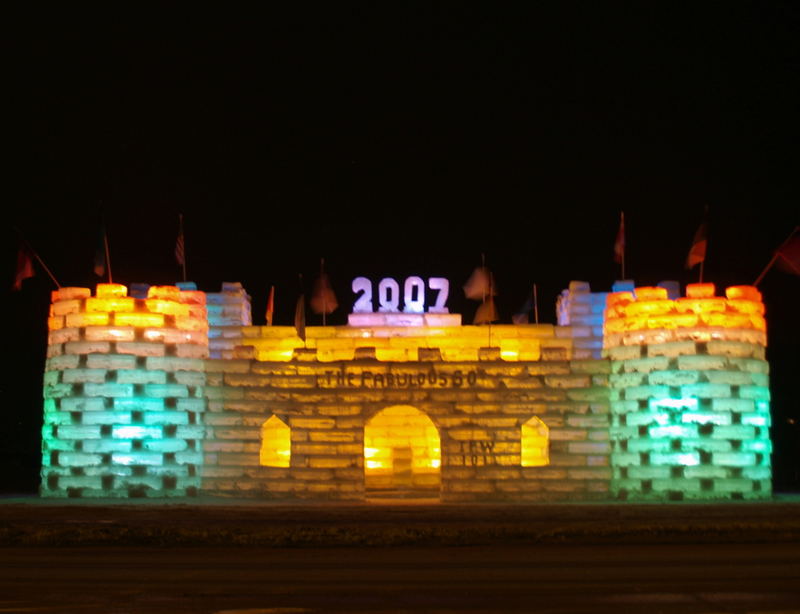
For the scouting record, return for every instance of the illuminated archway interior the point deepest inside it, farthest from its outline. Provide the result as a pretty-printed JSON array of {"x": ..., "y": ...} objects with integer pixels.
[
  {"x": 276, "y": 443},
  {"x": 401, "y": 450},
  {"x": 535, "y": 443}
]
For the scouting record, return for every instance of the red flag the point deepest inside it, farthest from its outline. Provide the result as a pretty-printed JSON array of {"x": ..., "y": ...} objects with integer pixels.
[
  {"x": 486, "y": 313},
  {"x": 300, "y": 317},
  {"x": 24, "y": 267},
  {"x": 100, "y": 253},
  {"x": 480, "y": 284},
  {"x": 619, "y": 244},
  {"x": 788, "y": 255},
  {"x": 323, "y": 299},
  {"x": 180, "y": 246},
  {"x": 270, "y": 305},
  {"x": 697, "y": 253}
]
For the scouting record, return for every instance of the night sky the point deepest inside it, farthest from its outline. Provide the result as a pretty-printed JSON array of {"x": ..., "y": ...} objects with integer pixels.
[{"x": 402, "y": 140}]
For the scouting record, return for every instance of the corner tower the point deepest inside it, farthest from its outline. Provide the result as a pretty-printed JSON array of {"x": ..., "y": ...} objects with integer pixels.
[
  {"x": 124, "y": 393},
  {"x": 689, "y": 394}
]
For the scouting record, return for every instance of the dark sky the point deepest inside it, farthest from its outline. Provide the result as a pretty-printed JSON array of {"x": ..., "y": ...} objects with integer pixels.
[{"x": 405, "y": 139}]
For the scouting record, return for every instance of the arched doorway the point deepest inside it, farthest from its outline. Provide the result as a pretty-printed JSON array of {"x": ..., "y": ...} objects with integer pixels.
[{"x": 402, "y": 454}]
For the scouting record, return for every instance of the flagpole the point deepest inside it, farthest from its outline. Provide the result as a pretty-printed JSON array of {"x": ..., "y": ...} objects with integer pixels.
[
  {"x": 489, "y": 328},
  {"x": 766, "y": 268},
  {"x": 535, "y": 305},
  {"x": 775, "y": 256},
  {"x": 44, "y": 266},
  {"x": 324, "y": 294},
  {"x": 619, "y": 244},
  {"x": 622, "y": 224},
  {"x": 108, "y": 257},
  {"x": 183, "y": 239},
  {"x": 38, "y": 258},
  {"x": 301, "y": 305},
  {"x": 705, "y": 253}
]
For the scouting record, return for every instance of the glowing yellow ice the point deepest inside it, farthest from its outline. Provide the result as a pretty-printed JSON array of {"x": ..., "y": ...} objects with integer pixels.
[
  {"x": 405, "y": 344},
  {"x": 740, "y": 308},
  {"x": 535, "y": 443},
  {"x": 401, "y": 449},
  {"x": 276, "y": 443}
]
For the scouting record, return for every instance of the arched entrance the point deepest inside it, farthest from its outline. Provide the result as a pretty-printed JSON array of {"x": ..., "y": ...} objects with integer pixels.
[{"x": 402, "y": 454}]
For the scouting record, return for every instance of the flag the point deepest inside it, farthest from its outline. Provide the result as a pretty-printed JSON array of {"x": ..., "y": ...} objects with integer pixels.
[
  {"x": 24, "y": 267},
  {"x": 520, "y": 318},
  {"x": 480, "y": 284},
  {"x": 323, "y": 299},
  {"x": 487, "y": 312},
  {"x": 523, "y": 315},
  {"x": 300, "y": 317},
  {"x": 270, "y": 305},
  {"x": 788, "y": 255},
  {"x": 100, "y": 253},
  {"x": 619, "y": 244},
  {"x": 180, "y": 245},
  {"x": 697, "y": 253}
]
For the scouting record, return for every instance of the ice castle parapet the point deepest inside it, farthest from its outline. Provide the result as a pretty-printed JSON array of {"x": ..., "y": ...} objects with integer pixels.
[
  {"x": 580, "y": 312},
  {"x": 228, "y": 311},
  {"x": 650, "y": 316}
]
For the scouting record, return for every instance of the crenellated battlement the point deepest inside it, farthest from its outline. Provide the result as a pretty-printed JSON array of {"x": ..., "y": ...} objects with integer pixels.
[
  {"x": 407, "y": 343},
  {"x": 647, "y": 315},
  {"x": 80, "y": 322}
]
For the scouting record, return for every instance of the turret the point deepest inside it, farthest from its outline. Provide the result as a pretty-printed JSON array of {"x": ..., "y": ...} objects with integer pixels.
[
  {"x": 123, "y": 393},
  {"x": 689, "y": 394}
]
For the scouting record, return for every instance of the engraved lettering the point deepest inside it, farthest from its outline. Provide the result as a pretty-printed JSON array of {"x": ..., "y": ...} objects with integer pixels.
[
  {"x": 429, "y": 378},
  {"x": 365, "y": 375}
]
